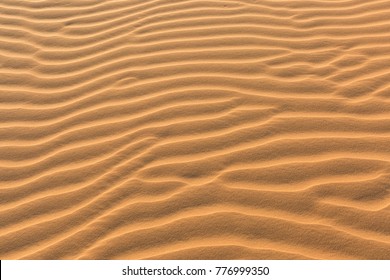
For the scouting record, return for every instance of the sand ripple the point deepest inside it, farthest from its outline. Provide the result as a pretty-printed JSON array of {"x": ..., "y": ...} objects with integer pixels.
[{"x": 172, "y": 129}]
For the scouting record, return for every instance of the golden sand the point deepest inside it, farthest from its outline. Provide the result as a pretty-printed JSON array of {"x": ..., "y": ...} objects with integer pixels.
[{"x": 191, "y": 129}]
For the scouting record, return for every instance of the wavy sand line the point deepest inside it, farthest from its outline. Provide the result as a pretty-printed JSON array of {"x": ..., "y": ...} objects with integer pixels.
[{"x": 194, "y": 129}]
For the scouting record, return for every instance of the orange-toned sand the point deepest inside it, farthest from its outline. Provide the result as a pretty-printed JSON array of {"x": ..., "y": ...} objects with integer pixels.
[{"x": 192, "y": 129}]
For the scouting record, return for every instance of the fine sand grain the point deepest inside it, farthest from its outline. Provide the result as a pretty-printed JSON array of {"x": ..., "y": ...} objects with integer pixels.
[{"x": 193, "y": 129}]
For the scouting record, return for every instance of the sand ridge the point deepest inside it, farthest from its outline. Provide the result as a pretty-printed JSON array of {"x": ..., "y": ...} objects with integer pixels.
[{"x": 193, "y": 129}]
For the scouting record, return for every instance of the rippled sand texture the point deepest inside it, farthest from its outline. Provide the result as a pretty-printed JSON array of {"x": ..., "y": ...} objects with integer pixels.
[{"x": 192, "y": 129}]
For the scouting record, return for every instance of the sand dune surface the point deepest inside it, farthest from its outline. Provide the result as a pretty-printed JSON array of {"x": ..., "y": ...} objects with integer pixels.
[{"x": 192, "y": 129}]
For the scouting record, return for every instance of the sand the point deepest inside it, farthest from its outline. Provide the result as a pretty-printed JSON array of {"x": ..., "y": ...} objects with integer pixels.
[{"x": 191, "y": 129}]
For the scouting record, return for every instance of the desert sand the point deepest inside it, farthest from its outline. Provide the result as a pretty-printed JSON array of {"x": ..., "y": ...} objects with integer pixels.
[{"x": 192, "y": 129}]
